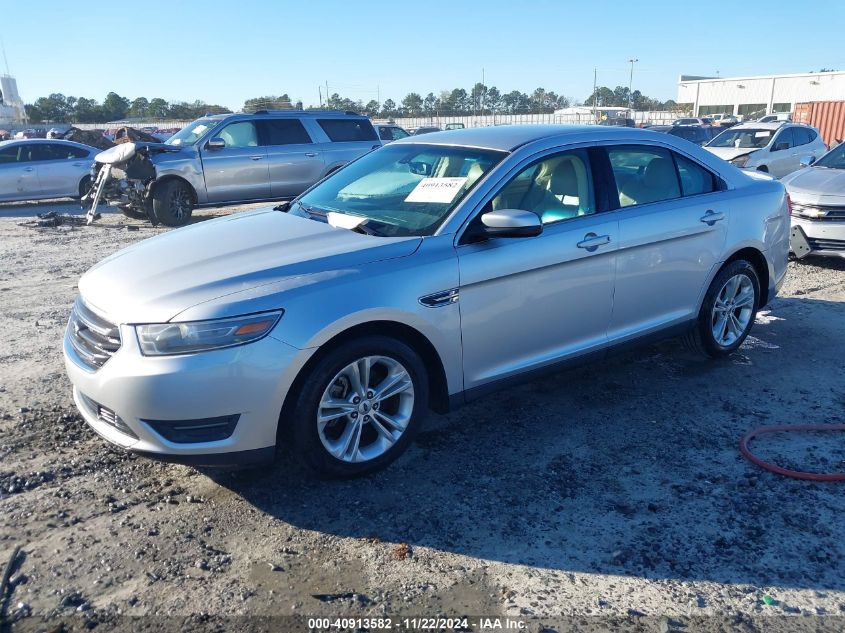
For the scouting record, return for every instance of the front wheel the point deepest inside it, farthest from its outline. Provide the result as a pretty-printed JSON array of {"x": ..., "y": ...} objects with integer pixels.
[
  {"x": 173, "y": 202},
  {"x": 359, "y": 407},
  {"x": 728, "y": 311}
]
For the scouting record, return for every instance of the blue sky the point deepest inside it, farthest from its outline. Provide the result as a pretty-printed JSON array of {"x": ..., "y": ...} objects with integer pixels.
[{"x": 226, "y": 52}]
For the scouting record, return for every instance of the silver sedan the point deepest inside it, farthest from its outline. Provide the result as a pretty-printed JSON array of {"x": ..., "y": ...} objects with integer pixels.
[
  {"x": 818, "y": 205},
  {"x": 35, "y": 169},
  {"x": 422, "y": 275}
]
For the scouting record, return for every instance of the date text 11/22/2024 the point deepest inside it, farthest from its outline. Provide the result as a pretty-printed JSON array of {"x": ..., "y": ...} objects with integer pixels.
[{"x": 417, "y": 624}]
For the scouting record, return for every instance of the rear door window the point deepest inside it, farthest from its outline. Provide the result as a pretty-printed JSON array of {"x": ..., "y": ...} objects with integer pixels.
[
  {"x": 643, "y": 174},
  {"x": 802, "y": 135},
  {"x": 348, "y": 130},
  {"x": 695, "y": 179},
  {"x": 283, "y": 132},
  {"x": 57, "y": 151}
]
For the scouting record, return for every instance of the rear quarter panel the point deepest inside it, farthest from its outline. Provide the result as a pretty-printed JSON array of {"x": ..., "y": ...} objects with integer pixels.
[{"x": 760, "y": 219}]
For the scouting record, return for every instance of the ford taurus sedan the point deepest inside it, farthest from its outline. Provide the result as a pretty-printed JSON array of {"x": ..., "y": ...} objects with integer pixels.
[{"x": 435, "y": 270}]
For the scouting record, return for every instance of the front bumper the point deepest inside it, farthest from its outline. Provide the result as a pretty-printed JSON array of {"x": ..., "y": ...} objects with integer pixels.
[
  {"x": 817, "y": 237},
  {"x": 249, "y": 381}
]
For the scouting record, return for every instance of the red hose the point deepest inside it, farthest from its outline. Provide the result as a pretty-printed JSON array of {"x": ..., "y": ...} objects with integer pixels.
[{"x": 795, "y": 474}]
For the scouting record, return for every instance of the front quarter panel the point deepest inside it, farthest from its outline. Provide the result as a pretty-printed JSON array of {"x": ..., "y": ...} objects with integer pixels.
[{"x": 185, "y": 164}]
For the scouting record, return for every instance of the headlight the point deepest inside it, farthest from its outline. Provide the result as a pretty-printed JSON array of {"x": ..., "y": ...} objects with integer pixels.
[
  {"x": 161, "y": 339},
  {"x": 740, "y": 161}
]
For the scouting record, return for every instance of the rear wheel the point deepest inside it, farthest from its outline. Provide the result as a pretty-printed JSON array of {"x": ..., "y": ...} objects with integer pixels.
[
  {"x": 173, "y": 202},
  {"x": 728, "y": 311},
  {"x": 359, "y": 407}
]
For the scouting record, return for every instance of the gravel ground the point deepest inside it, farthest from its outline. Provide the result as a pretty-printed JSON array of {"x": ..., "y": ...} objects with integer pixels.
[{"x": 614, "y": 490}]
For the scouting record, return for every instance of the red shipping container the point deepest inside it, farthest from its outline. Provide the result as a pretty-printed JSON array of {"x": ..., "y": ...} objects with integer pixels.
[{"x": 826, "y": 116}]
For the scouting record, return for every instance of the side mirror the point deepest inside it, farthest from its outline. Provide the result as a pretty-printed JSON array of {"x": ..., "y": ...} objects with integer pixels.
[
  {"x": 511, "y": 223},
  {"x": 215, "y": 143},
  {"x": 780, "y": 146},
  {"x": 806, "y": 161}
]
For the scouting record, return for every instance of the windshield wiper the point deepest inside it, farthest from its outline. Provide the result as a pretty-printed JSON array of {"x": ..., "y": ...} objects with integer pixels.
[{"x": 365, "y": 228}]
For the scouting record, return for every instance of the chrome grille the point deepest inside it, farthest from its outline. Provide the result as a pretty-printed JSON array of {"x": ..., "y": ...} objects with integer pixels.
[
  {"x": 835, "y": 213},
  {"x": 93, "y": 338}
]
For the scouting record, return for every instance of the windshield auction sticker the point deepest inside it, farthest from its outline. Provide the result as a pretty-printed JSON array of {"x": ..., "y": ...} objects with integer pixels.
[{"x": 436, "y": 190}]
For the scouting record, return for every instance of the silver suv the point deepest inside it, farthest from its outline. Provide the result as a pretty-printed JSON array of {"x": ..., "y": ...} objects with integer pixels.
[
  {"x": 429, "y": 272},
  {"x": 230, "y": 158}
]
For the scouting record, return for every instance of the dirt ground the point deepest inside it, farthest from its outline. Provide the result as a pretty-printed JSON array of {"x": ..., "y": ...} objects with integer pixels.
[{"x": 608, "y": 495}]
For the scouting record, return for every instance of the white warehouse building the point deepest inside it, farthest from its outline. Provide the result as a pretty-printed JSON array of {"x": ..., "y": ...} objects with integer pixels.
[{"x": 751, "y": 97}]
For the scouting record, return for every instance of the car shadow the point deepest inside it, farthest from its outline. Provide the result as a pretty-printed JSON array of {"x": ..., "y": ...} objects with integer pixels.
[{"x": 626, "y": 467}]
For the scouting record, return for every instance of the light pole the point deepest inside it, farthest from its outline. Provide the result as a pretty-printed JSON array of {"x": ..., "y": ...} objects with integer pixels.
[{"x": 631, "y": 84}]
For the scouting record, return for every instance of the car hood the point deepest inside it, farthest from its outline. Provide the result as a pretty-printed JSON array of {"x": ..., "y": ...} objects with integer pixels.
[
  {"x": 817, "y": 185},
  {"x": 729, "y": 153},
  {"x": 154, "y": 280}
]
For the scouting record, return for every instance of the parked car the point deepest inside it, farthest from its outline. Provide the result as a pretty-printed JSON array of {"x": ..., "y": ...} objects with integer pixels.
[
  {"x": 724, "y": 120},
  {"x": 774, "y": 148},
  {"x": 775, "y": 117},
  {"x": 818, "y": 205},
  {"x": 230, "y": 158},
  {"x": 388, "y": 132},
  {"x": 690, "y": 121},
  {"x": 422, "y": 275},
  {"x": 36, "y": 169},
  {"x": 425, "y": 129},
  {"x": 698, "y": 134},
  {"x": 618, "y": 121}
]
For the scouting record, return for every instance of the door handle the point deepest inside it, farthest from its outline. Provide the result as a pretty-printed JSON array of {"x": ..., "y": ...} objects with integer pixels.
[
  {"x": 310, "y": 154},
  {"x": 79, "y": 164},
  {"x": 256, "y": 157},
  {"x": 592, "y": 241},
  {"x": 29, "y": 169},
  {"x": 711, "y": 217}
]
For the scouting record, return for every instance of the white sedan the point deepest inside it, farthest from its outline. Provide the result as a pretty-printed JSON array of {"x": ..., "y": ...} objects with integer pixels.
[{"x": 33, "y": 169}]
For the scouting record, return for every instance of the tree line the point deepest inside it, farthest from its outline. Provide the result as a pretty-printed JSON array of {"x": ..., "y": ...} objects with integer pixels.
[{"x": 481, "y": 99}]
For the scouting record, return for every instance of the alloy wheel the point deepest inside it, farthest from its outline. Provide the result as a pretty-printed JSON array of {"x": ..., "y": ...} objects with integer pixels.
[
  {"x": 733, "y": 310},
  {"x": 365, "y": 409}
]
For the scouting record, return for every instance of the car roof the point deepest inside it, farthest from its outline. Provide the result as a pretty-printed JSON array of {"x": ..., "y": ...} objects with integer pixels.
[
  {"x": 772, "y": 125},
  {"x": 289, "y": 114},
  {"x": 507, "y": 138},
  {"x": 16, "y": 141}
]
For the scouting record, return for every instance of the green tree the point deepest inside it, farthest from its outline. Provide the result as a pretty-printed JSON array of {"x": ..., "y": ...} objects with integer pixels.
[
  {"x": 388, "y": 108},
  {"x": 412, "y": 104},
  {"x": 115, "y": 107},
  {"x": 139, "y": 107},
  {"x": 158, "y": 108},
  {"x": 281, "y": 102}
]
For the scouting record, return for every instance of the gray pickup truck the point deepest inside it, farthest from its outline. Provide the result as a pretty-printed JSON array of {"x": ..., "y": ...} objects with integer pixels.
[{"x": 229, "y": 158}]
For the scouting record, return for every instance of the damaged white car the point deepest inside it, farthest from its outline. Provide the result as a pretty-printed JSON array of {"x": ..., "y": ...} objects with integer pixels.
[{"x": 227, "y": 159}]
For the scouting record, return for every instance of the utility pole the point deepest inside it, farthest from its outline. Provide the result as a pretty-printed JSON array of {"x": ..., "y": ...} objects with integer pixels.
[
  {"x": 327, "y": 93},
  {"x": 595, "y": 93},
  {"x": 631, "y": 84},
  {"x": 320, "y": 93}
]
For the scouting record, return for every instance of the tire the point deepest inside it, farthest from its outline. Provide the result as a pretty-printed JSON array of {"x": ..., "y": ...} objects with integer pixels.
[
  {"x": 714, "y": 336},
  {"x": 173, "y": 202},
  {"x": 84, "y": 186},
  {"x": 323, "y": 447}
]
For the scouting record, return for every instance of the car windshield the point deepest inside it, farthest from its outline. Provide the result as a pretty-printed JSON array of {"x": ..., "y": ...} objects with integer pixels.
[
  {"x": 191, "y": 133},
  {"x": 401, "y": 189},
  {"x": 834, "y": 159},
  {"x": 750, "y": 138}
]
